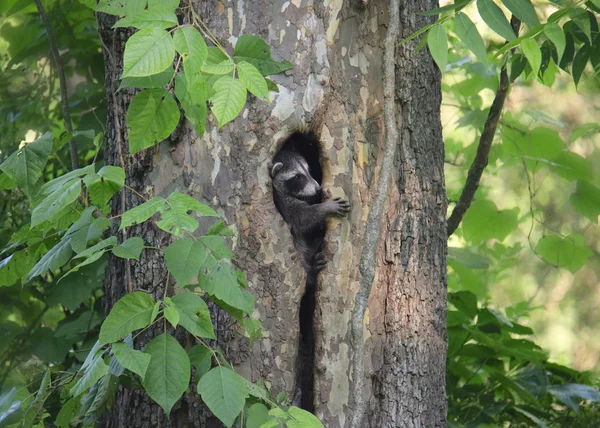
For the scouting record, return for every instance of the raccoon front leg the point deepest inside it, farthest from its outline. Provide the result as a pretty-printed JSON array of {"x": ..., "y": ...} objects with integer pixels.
[{"x": 337, "y": 207}]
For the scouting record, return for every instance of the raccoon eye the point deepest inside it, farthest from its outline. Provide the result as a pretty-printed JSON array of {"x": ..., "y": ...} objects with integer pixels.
[{"x": 298, "y": 176}]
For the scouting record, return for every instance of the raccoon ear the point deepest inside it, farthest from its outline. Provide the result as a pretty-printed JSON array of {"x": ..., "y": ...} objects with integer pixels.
[{"x": 276, "y": 168}]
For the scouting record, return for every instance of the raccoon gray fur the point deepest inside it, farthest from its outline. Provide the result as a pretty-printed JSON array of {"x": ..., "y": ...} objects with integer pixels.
[{"x": 298, "y": 197}]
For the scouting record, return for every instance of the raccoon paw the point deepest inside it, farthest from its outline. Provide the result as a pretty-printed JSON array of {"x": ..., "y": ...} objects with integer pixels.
[
  {"x": 319, "y": 262},
  {"x": 339, "y": 207}
]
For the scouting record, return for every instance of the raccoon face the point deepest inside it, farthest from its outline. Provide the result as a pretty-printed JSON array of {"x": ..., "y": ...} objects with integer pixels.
[{"x": 295, "y": 180}]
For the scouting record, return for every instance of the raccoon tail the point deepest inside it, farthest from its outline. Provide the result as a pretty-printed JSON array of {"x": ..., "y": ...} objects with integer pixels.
[{"x": 305, "y": 380}]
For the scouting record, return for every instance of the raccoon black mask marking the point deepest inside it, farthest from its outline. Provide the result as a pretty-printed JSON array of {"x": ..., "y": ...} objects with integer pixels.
[{"x": 298, "y": 197}]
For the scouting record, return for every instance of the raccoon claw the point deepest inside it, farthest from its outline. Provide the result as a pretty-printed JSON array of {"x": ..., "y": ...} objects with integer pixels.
[{"x": 341, "y": 207}]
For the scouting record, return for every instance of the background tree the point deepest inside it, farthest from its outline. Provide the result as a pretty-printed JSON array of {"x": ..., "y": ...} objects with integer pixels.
[{"x": 336, "y": 83}]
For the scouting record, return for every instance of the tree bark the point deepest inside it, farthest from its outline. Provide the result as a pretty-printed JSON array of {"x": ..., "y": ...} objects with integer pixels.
[{"x": 335, "y": 87}]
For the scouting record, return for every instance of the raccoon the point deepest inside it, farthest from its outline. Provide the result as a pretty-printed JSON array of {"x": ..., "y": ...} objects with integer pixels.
[
  {"x": 297, "y": 193},
  {"x": 298, "y": 198}
]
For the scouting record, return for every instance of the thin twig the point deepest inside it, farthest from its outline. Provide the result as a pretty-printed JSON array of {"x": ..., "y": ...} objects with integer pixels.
[
  {"x": 372, "y": 228},
  {"x": 483, "y": 149},
  {"x": 64, "y": 98}
]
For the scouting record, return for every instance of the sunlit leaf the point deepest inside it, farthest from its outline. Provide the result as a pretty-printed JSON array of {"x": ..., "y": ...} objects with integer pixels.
[
  {"x": 484, "y": 221},
  {"x": 532, "y": 52},
  {"x": 252, "y": 79},
  {"x": 148, "y": 52},
  {"x": 524, "y": 10},
  {"x": 228, "y": 99},
  {"x": 586, "y": 200},
  {"x": 555, "y": 35},
  {"x": 159, "y": 17},
  {"x": 191, "y": 46},
  {"x": 570, "y": 252},
  {"x": 438, "y": 45},
  {"x": 495, "y": 19},
  {"x": 468, "y": 34}
]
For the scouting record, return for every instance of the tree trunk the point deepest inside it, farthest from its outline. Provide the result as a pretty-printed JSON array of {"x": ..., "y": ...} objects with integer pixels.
[{"x": 335, "y": 87}]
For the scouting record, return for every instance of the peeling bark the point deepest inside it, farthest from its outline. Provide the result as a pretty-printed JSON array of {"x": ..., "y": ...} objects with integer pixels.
[{"x": 336, "y": 48}]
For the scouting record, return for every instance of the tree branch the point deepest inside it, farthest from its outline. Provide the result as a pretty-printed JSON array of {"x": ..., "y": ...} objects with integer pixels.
[
  {"x": 483, "y": 149},
  {"x": 372, "y": 228},
  {"x": 62, "y": 80}
]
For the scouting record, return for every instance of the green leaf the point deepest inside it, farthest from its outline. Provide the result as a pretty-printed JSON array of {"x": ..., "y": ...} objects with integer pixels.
[
  {"x": 571, "y": 166},
  {"x": 555, "y": 35},
  {"x": 582, "y": 20},
  {"x": 53, "y": 204},
  {"x": 217, "y": 246},
  {"x": 252, "y": 79},
  {"x": 105, "y": 243},
  {"x": 91, "y": 374},
  {"x": 184, "y": 258},
  {"x": 586, "y": 200},
  {"x": 201, "y": 358},
  {"x": 257, "y": 415},
  {"x": 518, "y": 63},
  {"x": 228, "y": 100},
  {"x": 579, "y": 63},
  {"x": 56, "y": 257},
  {"x": 24, "y": 166},
  {"x": 168, "y": 373},
  {"x": 438, "y": 46},
  {"x": 172, "y": 4},
  {"x": 192, "y": 48},
  {"x": 483, "y": 221},
  {"x": 103, "y": 185},
  {"x": 148, "y": 52},
  {"x": 223, "y": 67},
  {"x": 570, "y": 252},
  {"x": 584, "y": 131},
  {"x": 224, "y": 392},
  {"x": 194, "y": 315},
  {"x": 7, "y": 183},
  {"x": 532, "y": 51},
  {"x": 468, "y": 258},
  {"x": 192, "y": 98},
  {"x": 468, "y": 34},
  {"x": 302, "y": 419},
  {"x": 134, "y": 361},
  {"x": 67, "y": 413},
  {"x": 154, "y": 81},
  {"x": 159, "y": 17},
  {"x": 492, "y": 15},
  {"x": 142, "y": 212},
  {"x": 130, "y": 249},
  {"x": 132, "y": 312},
  {"x": 171, "y": 312},
  {"x": 152, "y": 116},
  {"x": 459, "y": 4},
  {"x": 256, "y": 51},
  {"x": 219, "y": 281},
  {"x": 465, "y": 302},
  {"x": 524, "y": 10}
]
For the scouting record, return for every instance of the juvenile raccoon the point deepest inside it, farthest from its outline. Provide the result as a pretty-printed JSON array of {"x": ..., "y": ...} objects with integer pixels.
[
  {"x": 296, "y": 174},
  {"x": 298, "y": 197}
]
